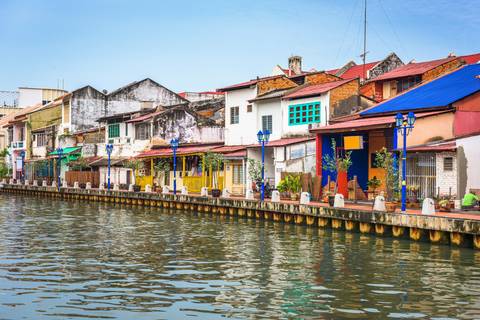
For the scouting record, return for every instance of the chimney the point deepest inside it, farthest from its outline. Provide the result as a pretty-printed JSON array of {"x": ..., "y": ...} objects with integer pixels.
[{"x": 295, "y": 64}]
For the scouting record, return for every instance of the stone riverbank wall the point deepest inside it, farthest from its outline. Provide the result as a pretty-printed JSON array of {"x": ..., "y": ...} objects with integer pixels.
[{"x": 433, "y": 229}]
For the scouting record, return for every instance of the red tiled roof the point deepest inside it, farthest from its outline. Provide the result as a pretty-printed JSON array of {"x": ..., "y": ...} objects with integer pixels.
[
  {"x": 332, "y": 71},
  {"x": 229, "y": 149},
  {"x": 145, "y": 117},
  {"x": 448, "y": 146},
  {"x": 365, "y": 124},
  {"x": 241, "y": 153},
  {"x": 182, "y": 94},
  {"x": 358, "y": 70},
  {"x": 413, "y": 69},
  {"x": 246, "y": 84},
  {"x": 316, "y": 89},
  {"x": 167, "y": 151},
  {"x": 284, "y": 142},
  {"x": 472, "y": 58}
]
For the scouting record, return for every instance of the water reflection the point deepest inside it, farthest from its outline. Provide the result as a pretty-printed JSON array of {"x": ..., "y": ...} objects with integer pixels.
[{"x": 65, "y": 259}]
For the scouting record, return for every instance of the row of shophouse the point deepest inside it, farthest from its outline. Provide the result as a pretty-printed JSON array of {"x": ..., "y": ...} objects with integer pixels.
[{"x": 303, "y": 111}]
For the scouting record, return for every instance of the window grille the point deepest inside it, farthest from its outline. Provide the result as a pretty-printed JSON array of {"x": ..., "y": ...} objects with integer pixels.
[
  {"x": 234, "y": 113},
  {"x": 304, "y": 113},
  {"x": 114, "y": 131},
  {"x": 41, "y": 140},
  {"x": 238, "y": 174},
  {"x": 142, "y": 131},
  {"x": 267, "y": 123}
]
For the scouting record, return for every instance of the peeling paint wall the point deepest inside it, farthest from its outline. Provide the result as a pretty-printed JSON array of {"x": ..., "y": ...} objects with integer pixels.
[
  {"x": 321, "y": 77},
  {"x": 388, "y": 64},
  {"x": 86, "y": 106},
  {"x": 452, "y": 65},
  {"x": 345, "y": 100},
  {"x": 141, "y": 95}
]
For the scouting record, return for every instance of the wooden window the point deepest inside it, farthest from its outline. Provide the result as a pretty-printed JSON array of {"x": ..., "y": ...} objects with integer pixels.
[
  {"x": 448, "y": 164},
  {"x": 142, "y": 131},
  {"x": 41, "y": 139},
  {"x": 304, "y": 113},
  {"x": 66, "y": 112},
  {"x": 21, "y": 134},
  {"x": 234, "y": 113},
  {"x": 267, "y": 123},
  {"x": 10, "y": 135},
  {"x": 249, "y": 108},
  {"x": 237, "y": 174},
  {"x": 114, "y": 131}
]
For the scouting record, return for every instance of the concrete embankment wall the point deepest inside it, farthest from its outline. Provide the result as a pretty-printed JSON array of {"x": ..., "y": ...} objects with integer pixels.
[{"x": 438, "y": 230}]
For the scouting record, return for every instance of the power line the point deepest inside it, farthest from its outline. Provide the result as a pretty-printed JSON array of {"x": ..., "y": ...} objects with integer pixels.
[
  {"x": 348, "y": 26},
  {"x": 393, "y": 30}
]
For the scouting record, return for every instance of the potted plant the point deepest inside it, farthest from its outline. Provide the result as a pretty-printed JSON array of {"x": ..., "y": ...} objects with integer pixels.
[
  {"x": 80, "y": 164},
  {"x": 282, "y": 188},
  {"x": 444, "y": 205},
  {"x": 214, "y": 161},
  {"x": 336, "y": 164},
  {"x": 390, "y": 177},
  {"x": 295, "y": 185},
  {"x": 254, "y": 172},
  {"x": 161, "y": 169},
  {"x": 414, "y": 189},
  {"x": 373, "y": 184},
  {"x": 136, "y": 165}
]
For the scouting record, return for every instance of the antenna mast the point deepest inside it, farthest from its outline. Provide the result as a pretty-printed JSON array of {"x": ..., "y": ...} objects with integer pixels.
[{"x": 364, "y": 41}]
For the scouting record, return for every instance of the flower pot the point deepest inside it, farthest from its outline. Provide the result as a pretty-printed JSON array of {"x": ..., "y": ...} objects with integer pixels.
[
  {"x": 293, "y": 196},
  {"x": 445, "y": 209},
  {"x": 412, "y": 199},
  {"x": 331, "y": 201},
  {"x": 216, "y": 193},
  {"x": 391, "y": 206},
  {"x": 137, "y": 188}
]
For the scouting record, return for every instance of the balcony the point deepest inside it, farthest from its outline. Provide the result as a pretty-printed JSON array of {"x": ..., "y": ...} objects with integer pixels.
[{"x": 18, "y": 145}]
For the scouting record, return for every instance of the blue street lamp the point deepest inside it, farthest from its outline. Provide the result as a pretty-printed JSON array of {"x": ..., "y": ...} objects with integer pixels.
[
  {"x": 109, "y": 151},
  {"x": 404, "y": 126},
  {"x": 263, "y": 140},
  {"x": 174, "y": 145},
  {"x": 59, "y": 151},
  {"x": 23, "y": 165}
]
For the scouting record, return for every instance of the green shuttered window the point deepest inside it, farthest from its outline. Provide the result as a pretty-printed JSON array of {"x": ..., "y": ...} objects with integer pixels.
[
  {"x": 304, "y": 113},
  {"x": 114, "y": 131}
]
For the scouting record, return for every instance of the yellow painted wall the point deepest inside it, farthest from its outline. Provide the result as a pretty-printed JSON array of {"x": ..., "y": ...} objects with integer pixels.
[
  {"x": 429, "y": 129},
  {"x": 45, "y": 117}
]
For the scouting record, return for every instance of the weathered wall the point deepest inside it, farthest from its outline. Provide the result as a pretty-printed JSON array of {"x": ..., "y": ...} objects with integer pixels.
[
  {"x": 391, "y": 62},
  {"x": 45, "y": 117},
  {"x": 143, "y": 94},
  {"x": 277, "y": 83},
  {"x": 429, "y": 129},
  {"x": 183, "y": 126},
  {"x": 197, "y": 96},
  {"x": 86, "y": 106},
  {"x": 320, "y": 77},
  {"x": 345, "y": 100},
  {"x": 452, "y": 65}
]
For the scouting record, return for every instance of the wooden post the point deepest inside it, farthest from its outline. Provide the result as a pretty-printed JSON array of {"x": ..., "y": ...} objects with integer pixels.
[
  {"x": 328, "y": 183},
  {"x": 354, "y": 189}
]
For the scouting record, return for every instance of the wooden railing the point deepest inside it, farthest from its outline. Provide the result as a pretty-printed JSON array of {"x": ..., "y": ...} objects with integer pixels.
[{"x": 143, "y": 181}]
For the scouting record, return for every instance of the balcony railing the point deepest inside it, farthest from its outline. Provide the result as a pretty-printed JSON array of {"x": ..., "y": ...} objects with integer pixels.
[{"x": 18, "y": 145}]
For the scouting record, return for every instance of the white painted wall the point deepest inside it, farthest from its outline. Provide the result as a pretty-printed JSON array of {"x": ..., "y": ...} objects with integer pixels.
[
  {"x": 267, "y": 108},
  {"x": 29, "y": 97},
  {"x": 240, "y": 133},
  {"x": 472, "y": 153},
  {"x": 303, "y": 128}
]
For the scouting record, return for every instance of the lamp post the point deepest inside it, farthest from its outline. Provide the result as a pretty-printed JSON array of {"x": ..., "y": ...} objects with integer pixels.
[
  {"x": 23, "y": 165},
  {"x": 59, "y": 151},
  {"x": 404, "y": 126},
  {"x": 109, "y": 151},
  {"x": 263, "y": 140},
  {"x": 174, "y": 145}
]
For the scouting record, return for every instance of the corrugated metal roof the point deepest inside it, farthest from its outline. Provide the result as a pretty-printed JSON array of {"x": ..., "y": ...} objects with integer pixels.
[
  {"x": 437, "y": 93},
  {"x": 413, "y": 69}
]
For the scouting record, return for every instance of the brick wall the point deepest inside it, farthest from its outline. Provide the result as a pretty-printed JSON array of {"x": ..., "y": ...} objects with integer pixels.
[
  {"x": 446, "y": 179},
  {"x": 320, "y": 78},
  {"x": 368, "y": 90},
  {"x": 277, "y": 83},
  {"x": 452, "y": 65},
  {"x": 343, "y": 92}
]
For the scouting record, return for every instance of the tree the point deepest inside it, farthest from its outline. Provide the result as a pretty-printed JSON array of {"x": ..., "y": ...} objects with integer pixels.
[
  {"x": 161, "y": 169},
  {"x": 254, "y": 170},
  {"x": 136, "y": 165},
  {"x": 36, "y": 165},
  {"x": 79, "y": 164},
  {"x": 5, "y": 170},
  {"x": 336, "y": 164},
  {"x": 390, "y": 177},
  {"x": 214, "y": 161}
]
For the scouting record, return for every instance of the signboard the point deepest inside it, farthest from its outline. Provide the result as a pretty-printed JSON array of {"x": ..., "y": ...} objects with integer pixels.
[{"x": 353, "y": 142}]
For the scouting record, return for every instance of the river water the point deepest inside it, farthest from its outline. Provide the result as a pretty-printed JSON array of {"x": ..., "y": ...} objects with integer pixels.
[{"x": 63, "y": 259}]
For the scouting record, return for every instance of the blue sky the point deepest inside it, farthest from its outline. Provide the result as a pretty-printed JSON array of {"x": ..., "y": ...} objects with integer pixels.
[{"x": 203, "y": 45}]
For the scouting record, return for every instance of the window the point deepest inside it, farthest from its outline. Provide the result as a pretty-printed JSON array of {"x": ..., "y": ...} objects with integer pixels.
[
  {"x": 238, "y": 174},
  {"x": 448, "y": 164},
  {"x": 249, "y": 108},
  {"x": 126, "y": 129},
  {"x": 233, "y": 115},
  {"x": 142, "y": 131},
  {"x": 21, "y": 134},
  {"x": 267, "y": 123},
  {"x": 41, "y": 140},
  {"x": 304, "y": 113},
  {"x": 114, "y": 131},
  {"x": 405, "y": 84},
  {"x": 10, "y": 135}
]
